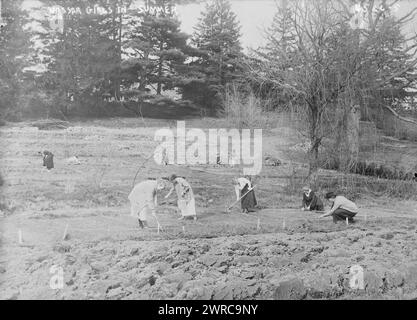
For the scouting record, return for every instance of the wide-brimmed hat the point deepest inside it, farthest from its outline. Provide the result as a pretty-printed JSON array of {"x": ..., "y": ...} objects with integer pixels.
[{"x": 306, "y": 188}]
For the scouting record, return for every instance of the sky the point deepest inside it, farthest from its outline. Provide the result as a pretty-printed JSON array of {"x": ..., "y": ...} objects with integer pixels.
[{"x": 254, "y": 16}]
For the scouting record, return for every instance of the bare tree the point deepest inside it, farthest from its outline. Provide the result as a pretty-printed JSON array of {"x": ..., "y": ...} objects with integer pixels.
[{"x": 330, "y": 68}]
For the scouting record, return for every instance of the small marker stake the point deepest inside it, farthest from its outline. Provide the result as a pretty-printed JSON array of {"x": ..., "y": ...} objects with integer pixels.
[
  {"x": 183, "y": 229},
  {"x": 64, "y": 237},
  {"x": 259, "y": 224},
  {"x": 159, "y": 227},
  {"x": 347, "y": 221},
  {"x": 20, "y": 237}
]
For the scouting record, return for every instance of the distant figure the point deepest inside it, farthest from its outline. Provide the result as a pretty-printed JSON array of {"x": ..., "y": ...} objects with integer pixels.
[
  {"x": 415, "y": 176},
  {"x": 271, "y": 161},
  {"x": 48, "y": 160},
  {"x": 218, "y": 160},
  {"x": 165, "y": 159},
  {"x": 245, "y": 192},
  {"x": 311, "y": 202},
  {"x": 186, "y": 201},
  {"x": 143, "y": 200},
  {"x": 342, "y": 208},
  {"x": 73, "y": 160}
]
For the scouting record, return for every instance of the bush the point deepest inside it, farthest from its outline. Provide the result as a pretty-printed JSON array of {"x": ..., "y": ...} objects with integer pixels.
[
  {"x": 381, "y": 171},
  {"x": 243, "y": 108},
  {"x": 205, "y": 96},
  {"x": 353, "y": 187},
  {"x": 370, "y": 169}
]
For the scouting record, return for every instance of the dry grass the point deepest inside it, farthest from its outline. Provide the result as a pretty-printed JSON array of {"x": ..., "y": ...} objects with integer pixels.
[{"x": 243, "y": 109}]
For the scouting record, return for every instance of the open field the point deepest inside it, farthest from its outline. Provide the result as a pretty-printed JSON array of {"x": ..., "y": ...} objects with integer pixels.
[{"x": 280, "y": 252}]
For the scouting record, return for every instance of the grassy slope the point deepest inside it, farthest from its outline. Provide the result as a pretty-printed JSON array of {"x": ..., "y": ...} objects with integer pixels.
[{"x": 97, "y": 209}]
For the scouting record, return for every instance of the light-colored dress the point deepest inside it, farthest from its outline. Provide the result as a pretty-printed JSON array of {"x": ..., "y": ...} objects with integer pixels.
[
  {"x": 186, "y": 201},
  {"x": 142, "y": 199},
  {"x": 241, "y": 183}
]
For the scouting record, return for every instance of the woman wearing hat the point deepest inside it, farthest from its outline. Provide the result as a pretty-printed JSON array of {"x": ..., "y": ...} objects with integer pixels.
[
  {"x": 186, "y": 201},
  {"x": 311, "y": 202},
  {"x": 342, "y": 208},
  {"x": 143, "y": 200},
  {"x": 244, "y": 191},
  {"x": 48, "y": 160}
]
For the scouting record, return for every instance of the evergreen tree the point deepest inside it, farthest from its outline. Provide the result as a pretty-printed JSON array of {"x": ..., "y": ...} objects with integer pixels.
[
  {"x": 281, "y": 51},
  {"x": 84, "y": 58},
  {"x": 156, "y": 46},
  {"x": 14, "y": 56},
  {"x": 281, "y": 35},
  {"x": 217, "y": 55}
]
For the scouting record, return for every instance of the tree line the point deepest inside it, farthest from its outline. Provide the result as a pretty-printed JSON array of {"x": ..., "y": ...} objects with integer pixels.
[
  {"x": 121, "y": 56},
  {"x": 329, "y": 60}
]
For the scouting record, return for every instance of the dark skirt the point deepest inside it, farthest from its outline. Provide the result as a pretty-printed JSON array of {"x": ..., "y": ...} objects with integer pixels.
[
  {"x": 48, "y": 161},
  {"x": 248, "y": 202},
  {"x": 316, "y": 204}
]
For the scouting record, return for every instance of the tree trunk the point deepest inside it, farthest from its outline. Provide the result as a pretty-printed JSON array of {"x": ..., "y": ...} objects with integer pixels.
[
  {"x": 352, "y": 135},
  {"x": 160, "y": 65},
  {"x": 313, "y": 165},
  {"x": 159, "y": 88},
  {"x": 314, "y": 140},
  {"x": 348, "y": 138}
]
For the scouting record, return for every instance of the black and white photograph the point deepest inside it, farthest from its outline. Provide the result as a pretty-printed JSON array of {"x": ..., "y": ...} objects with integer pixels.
[{"x": 227, "y": 151}]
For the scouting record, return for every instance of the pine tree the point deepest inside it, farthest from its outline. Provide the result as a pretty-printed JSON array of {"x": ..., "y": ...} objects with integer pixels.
[
  {"x": 280, "y": 51},
  {"x": 84, "y": 59},
  {"x": 281, "y": 36},
  {"x": 157, "y": 47},
  {"x": 217, "y": 55},
  {"x": 14, "y": 56},
  {"x": 217, "y": 35}
]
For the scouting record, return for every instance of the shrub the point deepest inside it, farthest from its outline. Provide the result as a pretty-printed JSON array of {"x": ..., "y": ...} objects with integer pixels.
[{"x": 243, "y": 108}]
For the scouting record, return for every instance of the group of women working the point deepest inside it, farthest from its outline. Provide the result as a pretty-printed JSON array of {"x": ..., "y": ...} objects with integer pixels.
[{"x": 143, "y": 197}]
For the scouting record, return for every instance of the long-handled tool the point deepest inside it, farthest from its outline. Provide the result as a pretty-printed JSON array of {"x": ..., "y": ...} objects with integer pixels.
[
  {"x": 140, "y": 167},
  {"x": 237, "y": 201}
]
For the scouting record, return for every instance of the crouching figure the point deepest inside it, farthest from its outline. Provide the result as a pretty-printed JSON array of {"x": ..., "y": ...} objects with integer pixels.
[{"x": 143, "y": 200}]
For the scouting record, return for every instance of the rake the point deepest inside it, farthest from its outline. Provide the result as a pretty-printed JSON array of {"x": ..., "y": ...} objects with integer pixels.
[{"x": 237, "y": 201}]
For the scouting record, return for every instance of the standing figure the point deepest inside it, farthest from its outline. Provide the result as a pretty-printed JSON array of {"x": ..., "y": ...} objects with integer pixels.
[
  {"x": 342, "y": 208},
  {"x": 246, "y": 194},
  {"x": 186, "y": 201},
  {"x": 48, "y": 160},
  {"x": 311, "y": 202},
  {"x": 143, "y": 200}
]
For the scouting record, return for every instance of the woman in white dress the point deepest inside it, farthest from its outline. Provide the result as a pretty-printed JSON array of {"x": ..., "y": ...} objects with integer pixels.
[
  {"x": 143, "y": 200},
  {"x": 186, "y": 201}
]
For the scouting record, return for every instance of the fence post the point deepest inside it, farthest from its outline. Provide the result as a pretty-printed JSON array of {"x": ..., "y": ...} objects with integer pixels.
[
  {"x": 64, "y": 237},
  {"x": 20, "y": 236}
]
